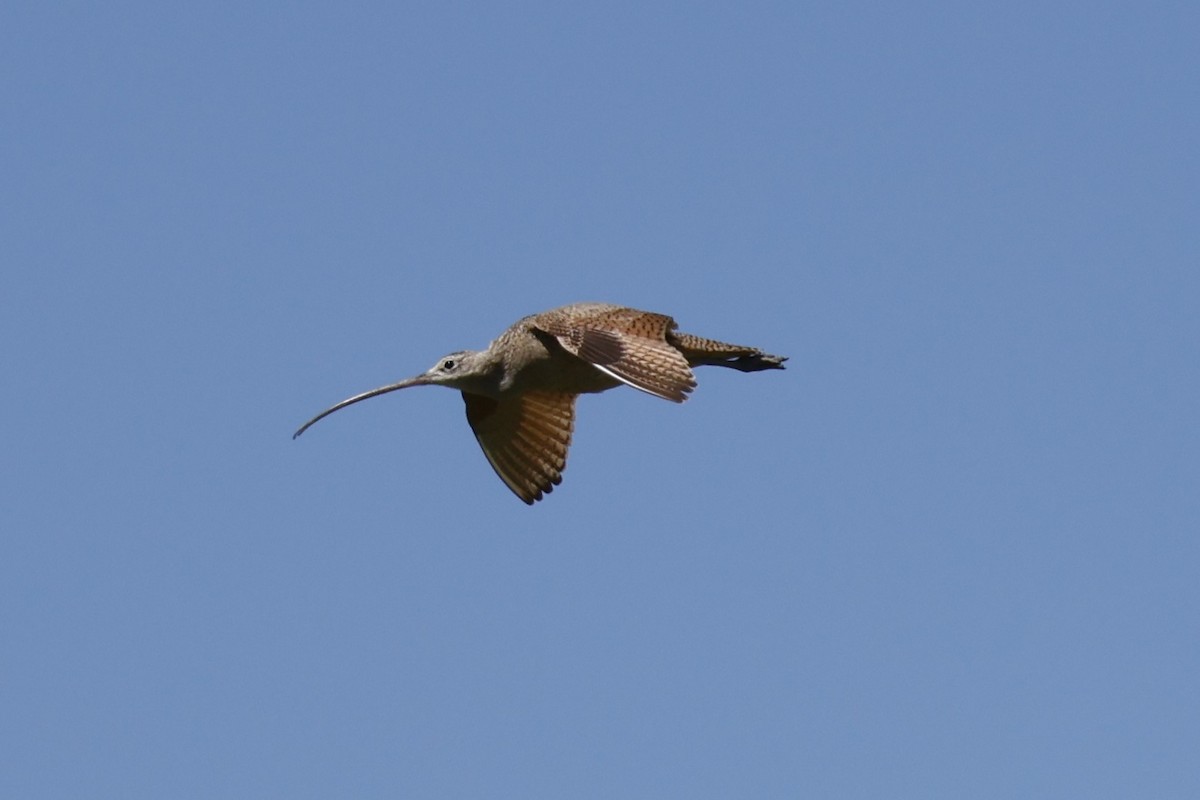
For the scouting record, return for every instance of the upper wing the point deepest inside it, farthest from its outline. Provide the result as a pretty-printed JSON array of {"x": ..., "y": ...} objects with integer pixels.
[
  {"x": 525, "y": 438},
  {"x": 629, "y": 345}
]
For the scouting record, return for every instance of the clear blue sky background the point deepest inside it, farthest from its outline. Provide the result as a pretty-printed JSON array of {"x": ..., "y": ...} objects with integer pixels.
[{"x": 951, "y": 552}]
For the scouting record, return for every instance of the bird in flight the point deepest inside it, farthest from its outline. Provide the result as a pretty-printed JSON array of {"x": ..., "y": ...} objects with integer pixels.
[{"x": 520, "y": 392}]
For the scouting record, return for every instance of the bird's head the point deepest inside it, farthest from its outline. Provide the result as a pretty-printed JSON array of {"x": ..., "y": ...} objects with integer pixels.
[{"x": 463, "y": 369}]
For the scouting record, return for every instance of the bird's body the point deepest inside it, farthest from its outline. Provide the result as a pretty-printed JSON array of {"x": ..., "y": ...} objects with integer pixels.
[{"x": 520, "y": 392}]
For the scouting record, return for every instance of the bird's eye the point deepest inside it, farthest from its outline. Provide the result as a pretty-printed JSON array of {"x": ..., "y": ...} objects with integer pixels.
[{"x": 448, "y": 364}]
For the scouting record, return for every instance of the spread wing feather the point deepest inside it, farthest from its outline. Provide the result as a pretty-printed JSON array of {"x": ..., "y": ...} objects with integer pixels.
[
  {"x": 525, "y": 438},
  {"x": 629, "y": 345}
]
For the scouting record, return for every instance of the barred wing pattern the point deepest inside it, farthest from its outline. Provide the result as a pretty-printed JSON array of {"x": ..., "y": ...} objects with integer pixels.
[
  {"x": 525, "y": 438},
  {"x": 629, "y": 345}
]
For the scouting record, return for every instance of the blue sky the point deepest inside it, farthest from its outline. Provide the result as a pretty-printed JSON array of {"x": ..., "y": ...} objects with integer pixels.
[{"x": 951, "y": 552}]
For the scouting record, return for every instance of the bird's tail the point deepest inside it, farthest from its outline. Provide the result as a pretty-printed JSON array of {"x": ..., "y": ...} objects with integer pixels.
[{"x": 709, "y": 352}]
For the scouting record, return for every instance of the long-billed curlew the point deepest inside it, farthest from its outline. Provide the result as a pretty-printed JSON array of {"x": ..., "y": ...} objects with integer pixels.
[{"x": 520, "y": 392}]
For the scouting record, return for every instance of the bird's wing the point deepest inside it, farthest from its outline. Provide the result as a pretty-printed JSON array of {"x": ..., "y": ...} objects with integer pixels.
[
  {"x": 525, "y": 437},
  {"x": 631, "y": 346}
]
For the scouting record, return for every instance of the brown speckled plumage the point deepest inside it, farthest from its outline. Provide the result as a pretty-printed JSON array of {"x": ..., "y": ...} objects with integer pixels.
[{"x": 520, "y": 392}]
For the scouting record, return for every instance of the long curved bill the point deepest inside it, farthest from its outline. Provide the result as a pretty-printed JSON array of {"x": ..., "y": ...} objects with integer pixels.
[{"x": 420, "y": 380}]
